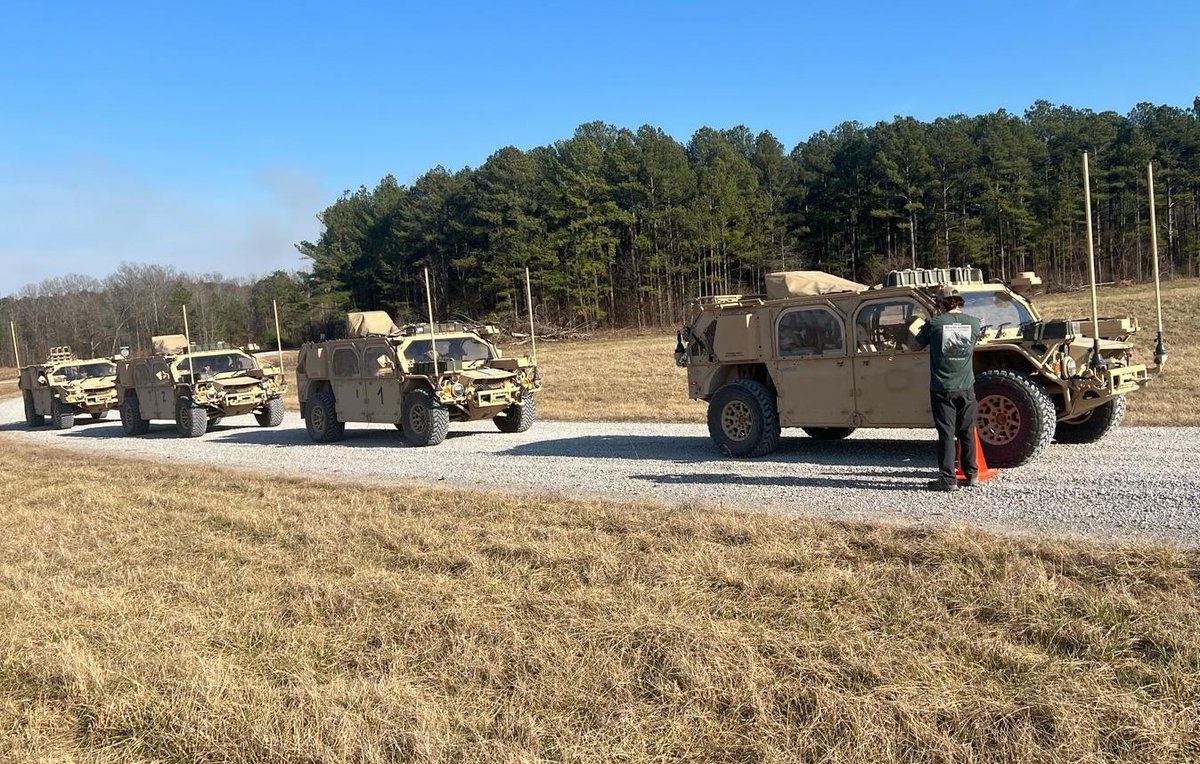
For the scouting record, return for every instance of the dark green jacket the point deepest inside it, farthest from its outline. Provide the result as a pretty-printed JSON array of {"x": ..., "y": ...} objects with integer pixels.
[{"x": 951, "y": 339}]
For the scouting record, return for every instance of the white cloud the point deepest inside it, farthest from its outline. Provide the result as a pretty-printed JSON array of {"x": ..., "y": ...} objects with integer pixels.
[{"x": 88, "y": 215}]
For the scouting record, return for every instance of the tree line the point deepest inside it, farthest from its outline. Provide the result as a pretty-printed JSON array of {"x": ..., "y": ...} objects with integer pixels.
[
  {"x": 623, "y": 228},
  {"x": 97, "y": 317}
]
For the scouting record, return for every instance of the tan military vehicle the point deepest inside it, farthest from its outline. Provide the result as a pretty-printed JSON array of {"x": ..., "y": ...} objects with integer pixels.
[
  {"x": 65, "y": 387},
  {"x": 414, "y": 378},
  {"x": 829, "y": 355},
  {"x": 197, "y": 387}
]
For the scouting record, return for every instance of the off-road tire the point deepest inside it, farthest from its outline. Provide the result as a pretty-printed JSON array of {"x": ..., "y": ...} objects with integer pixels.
[
  {"x": 322, "y": 421},
  {"x": 828, "y": 433},
  {"x": 517, "y": 417},
  {"x": 1015, "y": 418},
  {"x": 62, "y": 416},
  {"x": 131, "y": 417},
  {"x": 425, "y": 421},
  {"x": 213, "y": 421},
  {"x": 1094, "y": 424},
  {"x": 271, "y": 414},
  {"x": 99, "y": 416},
  {"x": 190, "y": 421},
  {"x": 32, "y": 418},
  {"x": 743, "y": 420}
]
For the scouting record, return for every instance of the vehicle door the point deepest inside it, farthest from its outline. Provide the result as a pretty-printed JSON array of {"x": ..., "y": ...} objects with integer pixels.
[
  {"x": 813, "y": 372},
  {"x": 381, "y": 383},
  {"x": 155, "y": 389},
  {"x": 891, "y": 381},
  {"x": 349, "y": 389},
  {"x": 39, "y": 382}
]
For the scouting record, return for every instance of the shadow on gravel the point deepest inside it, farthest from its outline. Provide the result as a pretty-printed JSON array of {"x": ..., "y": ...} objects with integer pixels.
[
  {"x": 87, "y": 423},
  {"x": 784, "y": 481},
  {"x": 856, "y": 452},
  {"x": 355, "y": 438}
]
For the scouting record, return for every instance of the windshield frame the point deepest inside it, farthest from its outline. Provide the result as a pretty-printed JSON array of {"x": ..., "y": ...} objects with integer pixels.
[
  {"x": 988, "y": 315},
  {"x": 61, "y": 370}
]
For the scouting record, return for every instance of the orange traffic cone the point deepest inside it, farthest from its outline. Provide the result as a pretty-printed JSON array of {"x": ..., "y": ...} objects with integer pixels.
[{"x": 985, "y": 472}]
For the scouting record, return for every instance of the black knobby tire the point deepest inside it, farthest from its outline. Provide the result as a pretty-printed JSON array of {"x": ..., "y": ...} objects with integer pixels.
[
  {"x": 743, "y": 420},
  {"x": 62, "y": 415},
  {"x": 1015, "y": 417},
  {"x": 828, "y": 433},
  {"x": 98, "y": 416},
  {"x": 213, "y": 421},
  {"x": 32, "y": 418},
  {"x": 271, "y": 414},
  {"x": 190, "y": 421},
  {"x": 1093, "y": 425},
  {"x": 517, "y": 417},
  {"x": 131, "y": 417},
  {"x": 425, "y": 421},
  {"x": 322, "y": 422}
]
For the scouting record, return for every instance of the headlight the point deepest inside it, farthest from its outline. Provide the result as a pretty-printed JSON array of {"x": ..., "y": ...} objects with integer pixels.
[
  {"x": 457, "y": 389},
  {"x": 1069, "y": 367}
]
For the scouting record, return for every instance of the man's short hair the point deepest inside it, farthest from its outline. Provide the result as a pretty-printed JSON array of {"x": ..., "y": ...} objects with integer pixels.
[{"x": 953, "y": 302}]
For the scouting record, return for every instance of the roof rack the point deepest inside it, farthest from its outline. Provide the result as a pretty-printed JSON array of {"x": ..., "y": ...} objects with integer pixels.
[
  {"x": 933, "y": 277},
  {"x": 60, "y": 354}
]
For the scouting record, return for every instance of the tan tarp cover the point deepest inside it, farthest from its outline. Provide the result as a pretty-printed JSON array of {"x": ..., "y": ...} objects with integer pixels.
[
  {"x": 368, "y": 322},
  {"x": 169, "y": 344},
  {"x": 807, "y": 283}
]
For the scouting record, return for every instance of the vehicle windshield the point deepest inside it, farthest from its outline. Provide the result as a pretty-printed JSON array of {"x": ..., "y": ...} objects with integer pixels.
[
  {"x": 217, "y": 363},
  {"x": 87, "y": 370},
  {"x": 462, "y": 349},
  {"x": 994, "y": 308}
]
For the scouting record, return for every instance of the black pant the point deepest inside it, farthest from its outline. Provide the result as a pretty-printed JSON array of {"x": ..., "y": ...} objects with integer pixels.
[{"x": 954, "y": 418}]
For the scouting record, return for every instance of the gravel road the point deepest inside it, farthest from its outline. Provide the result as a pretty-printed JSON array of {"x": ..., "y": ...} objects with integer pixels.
[{"x": 1140, "y": 482}]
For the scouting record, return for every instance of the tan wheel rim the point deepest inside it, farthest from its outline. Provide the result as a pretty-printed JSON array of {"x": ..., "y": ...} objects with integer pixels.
[
  {"x": 416, "y": 418},
  {"x": 736, "y": 420},
  {"x": 998, "y": 420},
  {"x": 317, "y": 418}
]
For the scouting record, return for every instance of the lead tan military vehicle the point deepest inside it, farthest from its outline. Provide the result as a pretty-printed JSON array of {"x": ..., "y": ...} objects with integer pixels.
[
  {"x": 197, "y": 386},
  {"x": 418, "y": 378},
  {"x": 65, "y": 387},
  {"x": 829, "y": 355}
]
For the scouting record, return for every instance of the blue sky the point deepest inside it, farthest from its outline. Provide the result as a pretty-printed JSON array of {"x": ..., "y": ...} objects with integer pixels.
[{"x": 208, "y": 135}]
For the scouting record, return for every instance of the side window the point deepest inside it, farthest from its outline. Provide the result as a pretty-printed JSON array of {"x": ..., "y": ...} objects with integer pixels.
[
  {"x": 882, "y": 327},
  {"x": 345, "y": 362},
  {"x": 377, "y": 361},
  {"x": 159, "y": 372},
  {"x": 810, "y": 332},
  {"x": 141, "y": 374}
]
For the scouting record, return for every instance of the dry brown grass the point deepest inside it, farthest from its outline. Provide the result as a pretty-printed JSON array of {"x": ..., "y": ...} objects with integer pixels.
[
  {"x": 175, "y": 614},
  {"x": 620, "y": 378},
  {"x": 1175, "y": 398}
]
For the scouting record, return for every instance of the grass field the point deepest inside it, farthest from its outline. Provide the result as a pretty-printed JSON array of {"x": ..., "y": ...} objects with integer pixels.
[{"x": 172, "y": 614}]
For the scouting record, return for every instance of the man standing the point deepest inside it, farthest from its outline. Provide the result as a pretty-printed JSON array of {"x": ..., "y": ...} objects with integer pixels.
[{"x": 951, "y": 336}]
